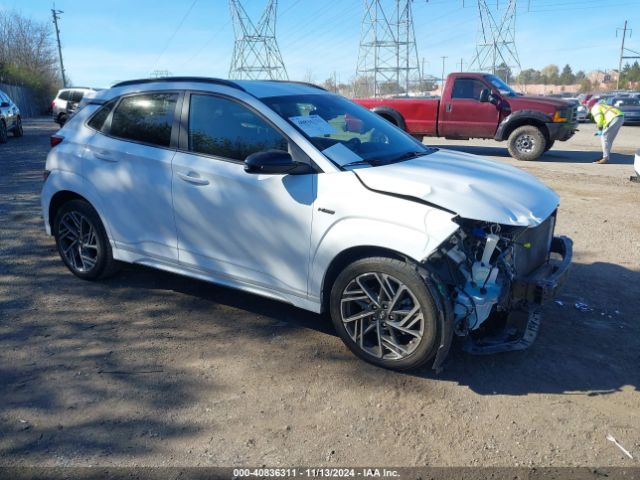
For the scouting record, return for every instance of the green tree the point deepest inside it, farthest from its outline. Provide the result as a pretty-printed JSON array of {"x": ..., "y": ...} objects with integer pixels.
[
  {"x": 567, "y": 77},
  {"x": 504, "y": 72},
  {"x": 551, "y": 74}
]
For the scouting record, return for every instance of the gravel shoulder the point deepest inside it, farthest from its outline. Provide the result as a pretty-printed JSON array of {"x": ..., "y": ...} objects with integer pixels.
[{"x": 150, "y": 368}]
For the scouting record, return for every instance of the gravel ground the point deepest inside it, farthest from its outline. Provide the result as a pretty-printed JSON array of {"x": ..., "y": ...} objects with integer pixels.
[{"x": 150, "y": 368}]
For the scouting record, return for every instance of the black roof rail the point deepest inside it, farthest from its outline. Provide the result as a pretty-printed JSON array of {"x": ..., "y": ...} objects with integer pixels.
[
  {"x": 308, "y": 84},
  {"x": 216, "y": 81}
]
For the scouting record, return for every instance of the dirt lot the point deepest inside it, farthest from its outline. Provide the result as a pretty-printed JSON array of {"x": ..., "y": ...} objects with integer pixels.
[{"x": 149, "y": 368}]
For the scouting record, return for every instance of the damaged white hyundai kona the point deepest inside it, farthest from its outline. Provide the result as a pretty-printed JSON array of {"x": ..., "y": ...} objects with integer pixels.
[{"x": 291, "y": 192}]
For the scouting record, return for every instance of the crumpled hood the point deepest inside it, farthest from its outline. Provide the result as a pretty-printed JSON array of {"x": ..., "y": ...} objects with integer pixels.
[{"x": 468, "y": 185}]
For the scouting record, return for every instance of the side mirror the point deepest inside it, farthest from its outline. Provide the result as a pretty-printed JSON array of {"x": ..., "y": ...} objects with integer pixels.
[
  {"x": 485, "y": 93},
  {"x": 275, "y": 162},
  {"x": 5, "y": 104},
  {"x": 494, "y": 99}
]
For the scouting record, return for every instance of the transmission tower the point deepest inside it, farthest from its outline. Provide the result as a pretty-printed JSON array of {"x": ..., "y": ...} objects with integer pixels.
[
  {"x": 256, "y": 54},
  {"x": 496, "y": 43},
  {"x": 388, "y": 52}
]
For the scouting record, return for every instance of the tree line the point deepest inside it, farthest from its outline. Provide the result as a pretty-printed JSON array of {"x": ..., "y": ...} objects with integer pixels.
[{"x": 28, "y": 56}]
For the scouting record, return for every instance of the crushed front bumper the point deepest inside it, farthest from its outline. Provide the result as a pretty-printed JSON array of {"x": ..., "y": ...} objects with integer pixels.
[
  {"x": 541, "y": 285},
  {"x": 527, "y": 295}
]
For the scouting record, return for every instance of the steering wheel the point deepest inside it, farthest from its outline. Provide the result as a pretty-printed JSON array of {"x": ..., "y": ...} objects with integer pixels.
[{"x": 353, "y": 144}]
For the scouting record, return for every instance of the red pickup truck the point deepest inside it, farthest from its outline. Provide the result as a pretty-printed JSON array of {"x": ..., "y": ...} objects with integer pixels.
[{"x": 478, "y": 105}]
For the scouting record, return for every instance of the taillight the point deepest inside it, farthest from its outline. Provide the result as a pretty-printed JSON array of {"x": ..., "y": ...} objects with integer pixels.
[
  {"x": 56, "y": 140},
  {"x": 53, "y": 104}
]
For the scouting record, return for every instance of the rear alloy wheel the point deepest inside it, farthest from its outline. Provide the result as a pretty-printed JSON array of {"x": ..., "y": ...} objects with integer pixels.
[
  {"x": 526, "y": 143},
  {"x": 385, "y": 314},
  {"x": 3, "y": 132},
  {"x": 82, "y": 241},
  {"x": 17, "y": 130}
]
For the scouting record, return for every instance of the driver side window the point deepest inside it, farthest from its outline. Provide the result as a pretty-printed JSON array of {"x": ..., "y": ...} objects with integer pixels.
[
  {"x": 224, "y": 128},
  {"x": 467, "y": 88}
]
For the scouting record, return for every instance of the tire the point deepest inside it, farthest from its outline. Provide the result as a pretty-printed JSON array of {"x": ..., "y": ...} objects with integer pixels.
[
  {"x": 92, "y": 259},
  {"x": 526, "y": 143},
  {"x": 62, "y": 119},
  {"x": 3, "y": 132},
  {"x": 549, "y": 145},
  {"x": 17, "y": 129},
  {"x": 394, "y": 349}
]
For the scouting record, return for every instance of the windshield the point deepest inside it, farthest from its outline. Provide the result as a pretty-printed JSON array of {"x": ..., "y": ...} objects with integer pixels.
[
  {"x": 347, "y": 134},
  {"x": 502, "y": 87}
]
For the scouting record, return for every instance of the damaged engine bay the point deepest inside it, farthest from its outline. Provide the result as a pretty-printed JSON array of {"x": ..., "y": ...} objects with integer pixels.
[{"x": 487, "y": 271}]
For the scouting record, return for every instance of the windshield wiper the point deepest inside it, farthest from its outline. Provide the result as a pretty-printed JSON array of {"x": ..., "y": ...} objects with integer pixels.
[{"x": 410, "y": 155}]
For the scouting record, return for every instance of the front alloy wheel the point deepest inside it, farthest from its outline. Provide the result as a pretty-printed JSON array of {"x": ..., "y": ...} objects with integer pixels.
[{"x": 384, "y": 313}]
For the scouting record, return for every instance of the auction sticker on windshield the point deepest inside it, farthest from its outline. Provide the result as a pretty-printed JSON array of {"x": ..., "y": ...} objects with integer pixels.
[{"x": 313, "y": 125}]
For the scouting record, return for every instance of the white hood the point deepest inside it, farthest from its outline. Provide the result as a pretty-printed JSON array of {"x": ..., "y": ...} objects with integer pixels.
[{"x": 468, "y": 185}]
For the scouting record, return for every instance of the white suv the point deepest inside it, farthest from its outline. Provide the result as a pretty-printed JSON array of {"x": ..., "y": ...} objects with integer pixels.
[
  {"x": 67, "y": 101},
  {"x": 288, "y": 191}
]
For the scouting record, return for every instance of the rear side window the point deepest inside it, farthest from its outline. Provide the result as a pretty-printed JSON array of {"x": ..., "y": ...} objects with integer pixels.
[
  {"x": 467, "y": 88},
  {"x": 64, "y": 95},
  {"x": 76, "y": 95},
  {"x": 224, "y": 128},
  {"x": 145, "y": 118},
  {"x": 98, "y": 119}
]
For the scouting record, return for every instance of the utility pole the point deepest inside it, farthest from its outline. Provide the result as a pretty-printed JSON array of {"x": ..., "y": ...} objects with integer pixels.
[
  {"x": 442, "y": 77},
  {"x": 635, "y": 54},
  {"x": 56, "y": 16}
]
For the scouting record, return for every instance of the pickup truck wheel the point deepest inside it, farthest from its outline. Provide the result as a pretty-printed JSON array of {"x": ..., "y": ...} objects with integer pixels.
[
  {"x": 526, "y": 143},
  {"x": 384, "y": 313},
  {"x": 549, "y": 145}
]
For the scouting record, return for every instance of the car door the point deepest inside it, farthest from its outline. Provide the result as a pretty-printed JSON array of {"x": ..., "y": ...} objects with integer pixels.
[
  {"x": 127, "y": 162},
  {"x": 464, "y": 115},
  {"x": 244, "y": 228}
]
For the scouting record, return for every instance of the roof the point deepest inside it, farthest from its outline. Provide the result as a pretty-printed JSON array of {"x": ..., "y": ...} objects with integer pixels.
[{"x": 257, "y": 88}]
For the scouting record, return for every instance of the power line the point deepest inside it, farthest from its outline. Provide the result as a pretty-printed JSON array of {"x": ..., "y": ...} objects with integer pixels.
[
  {"x": 175, "y": 32},
  {"x": 388, "y": 53},
  {"x": 496, "y": 44},
  {"x": 256, "y": 54},
  {"x": 56, "y": 17}
]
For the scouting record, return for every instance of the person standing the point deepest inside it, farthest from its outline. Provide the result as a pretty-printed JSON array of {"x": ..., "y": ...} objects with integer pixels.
[{"x": 608, "y": 122}]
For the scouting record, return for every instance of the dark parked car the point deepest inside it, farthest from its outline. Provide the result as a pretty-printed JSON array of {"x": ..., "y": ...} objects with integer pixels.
[
  {"x": 10, "y": 120},
  {"x": 629, "y": 106}
]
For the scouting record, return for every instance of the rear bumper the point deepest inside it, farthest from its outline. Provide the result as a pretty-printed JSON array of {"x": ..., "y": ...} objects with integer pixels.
[
  {"x": 561, "y": 131},
  {"x": 542, "y": 285}
]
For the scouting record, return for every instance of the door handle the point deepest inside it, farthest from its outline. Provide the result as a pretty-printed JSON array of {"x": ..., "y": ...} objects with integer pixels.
[
  {"x": 449, "y": 107},
  {"x": 104, "y": 155},
  {"x": 193, "y": 177}
]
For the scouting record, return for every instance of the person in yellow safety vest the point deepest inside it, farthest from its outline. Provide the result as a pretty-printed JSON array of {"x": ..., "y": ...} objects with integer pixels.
[{"x": 608, "y": 122}]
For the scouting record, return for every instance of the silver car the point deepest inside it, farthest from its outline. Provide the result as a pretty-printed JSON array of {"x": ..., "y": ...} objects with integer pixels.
[{"x": 10, "y": 119}]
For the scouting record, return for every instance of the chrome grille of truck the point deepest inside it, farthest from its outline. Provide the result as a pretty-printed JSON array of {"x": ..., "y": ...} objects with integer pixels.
[{"x": 532, "y": 249}]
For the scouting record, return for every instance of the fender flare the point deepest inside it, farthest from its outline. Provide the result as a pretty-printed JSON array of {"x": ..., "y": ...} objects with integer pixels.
[
  {"x": 519, "y": 118},
  {"x": 398, "y": 119}
]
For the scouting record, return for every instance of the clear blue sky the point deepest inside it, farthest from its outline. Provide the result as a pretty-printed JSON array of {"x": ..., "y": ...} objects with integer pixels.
[{"x": 110, "y": 40}]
